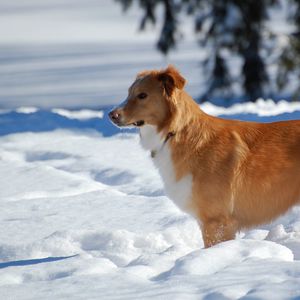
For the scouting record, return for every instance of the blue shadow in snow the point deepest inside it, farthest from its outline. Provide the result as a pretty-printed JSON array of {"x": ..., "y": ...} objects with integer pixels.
[
  {"x": 27, "y": 262},
  {"x": 46, "y": 120}
]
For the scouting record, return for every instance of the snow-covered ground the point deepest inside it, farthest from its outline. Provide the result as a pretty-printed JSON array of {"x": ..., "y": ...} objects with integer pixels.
[{"x": 84, "y": 216}]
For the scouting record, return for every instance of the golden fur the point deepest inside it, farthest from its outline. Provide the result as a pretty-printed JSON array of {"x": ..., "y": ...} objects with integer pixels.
[{"x": 244, "y": 173}]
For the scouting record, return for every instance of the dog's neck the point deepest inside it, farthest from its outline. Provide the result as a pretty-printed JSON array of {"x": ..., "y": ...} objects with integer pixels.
[
  {"x": 187, "y": 114},
  {"x": 169, "y": 135},
  {"x": 153, "y": 140}
]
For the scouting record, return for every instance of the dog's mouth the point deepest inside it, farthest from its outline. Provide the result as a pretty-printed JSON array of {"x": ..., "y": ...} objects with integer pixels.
[
  {"x": 138, "y": 123},
  {"x": 135, "y": 124}
]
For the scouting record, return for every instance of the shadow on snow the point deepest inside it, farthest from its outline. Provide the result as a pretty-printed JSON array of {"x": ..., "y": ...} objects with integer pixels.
[
  {"x": 46, "y": 120},
  {"x": 27, "y": 262}
]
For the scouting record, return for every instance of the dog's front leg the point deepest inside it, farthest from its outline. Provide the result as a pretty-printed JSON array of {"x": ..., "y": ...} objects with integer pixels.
[{"x": 218, "y": 230}]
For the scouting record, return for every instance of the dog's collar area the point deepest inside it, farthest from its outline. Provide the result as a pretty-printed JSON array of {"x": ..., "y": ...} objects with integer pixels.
[
  {"x": 169, "y": 135},
  {"x": 138, "y": 123}
]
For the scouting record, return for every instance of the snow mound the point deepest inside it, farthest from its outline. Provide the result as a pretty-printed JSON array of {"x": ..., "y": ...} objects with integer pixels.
[
  {"x": 262, "y": 108},
  {"x": 213, "y": 260},
  {"x": 82, "y": 114}
]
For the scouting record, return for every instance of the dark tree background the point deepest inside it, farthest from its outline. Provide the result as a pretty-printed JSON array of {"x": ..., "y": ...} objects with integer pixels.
[
  {"x": 289, "y": 60},
  {"x": 231, "y": 28}
]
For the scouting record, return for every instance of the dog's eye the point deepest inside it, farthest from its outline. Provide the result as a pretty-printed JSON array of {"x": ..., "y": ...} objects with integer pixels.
[{"x": 142, "y": 95}]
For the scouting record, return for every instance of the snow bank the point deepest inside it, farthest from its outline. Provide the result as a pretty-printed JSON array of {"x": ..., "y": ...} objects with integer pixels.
[
  {"x": 25, "y": 119},
  {"x": 83, "y": 114},
  {"x": 210, "y": 261},
  {"x": 262, "y": 108}
]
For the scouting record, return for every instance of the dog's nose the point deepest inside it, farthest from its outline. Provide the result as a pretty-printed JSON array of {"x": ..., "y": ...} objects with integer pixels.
[{"x": 114, "y": 115}]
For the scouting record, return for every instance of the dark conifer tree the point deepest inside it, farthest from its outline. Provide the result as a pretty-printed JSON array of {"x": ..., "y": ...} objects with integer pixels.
[
  {"x": 251, "y": 29},
  {"x": 227, "y": 28},
  {"x": 289, "y": 60}
]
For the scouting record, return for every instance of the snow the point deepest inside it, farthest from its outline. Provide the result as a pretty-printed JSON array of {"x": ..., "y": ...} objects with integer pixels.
[
  {"x": 262, "y": 107},
  {"x": 66, "y": 21},
  {"x": 85, "y": 216},
  {"x": 71, "y": 53},
  {"x": 83, "y": 114}
]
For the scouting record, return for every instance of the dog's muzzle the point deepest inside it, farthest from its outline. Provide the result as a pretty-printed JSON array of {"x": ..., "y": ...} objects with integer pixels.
[{"x": 115, "y": 116}]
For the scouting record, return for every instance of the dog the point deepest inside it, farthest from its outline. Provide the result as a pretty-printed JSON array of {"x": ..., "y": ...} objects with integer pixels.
[{"x": 230, "y": 175}]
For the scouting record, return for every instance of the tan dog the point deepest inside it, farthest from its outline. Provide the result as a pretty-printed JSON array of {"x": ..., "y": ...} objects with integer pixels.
[{"x": 228, "y": 174}]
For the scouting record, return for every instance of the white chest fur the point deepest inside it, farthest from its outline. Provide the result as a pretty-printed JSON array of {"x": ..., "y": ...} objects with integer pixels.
[{"x": 180, "y": 191}]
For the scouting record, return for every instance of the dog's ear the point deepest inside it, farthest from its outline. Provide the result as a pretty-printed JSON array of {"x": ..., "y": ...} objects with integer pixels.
[{"x": 171, "y": 79}]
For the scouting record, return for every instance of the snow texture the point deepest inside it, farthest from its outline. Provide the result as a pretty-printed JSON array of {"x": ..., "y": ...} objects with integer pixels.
[{"x": 85, "y": 216}]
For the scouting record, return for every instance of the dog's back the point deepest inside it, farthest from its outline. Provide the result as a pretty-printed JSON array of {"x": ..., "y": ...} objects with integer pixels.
[{"x": 267, "y": 182}]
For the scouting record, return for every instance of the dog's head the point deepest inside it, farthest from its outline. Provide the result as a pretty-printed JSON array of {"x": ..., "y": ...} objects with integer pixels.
[{"x": 151, "y": 99}]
